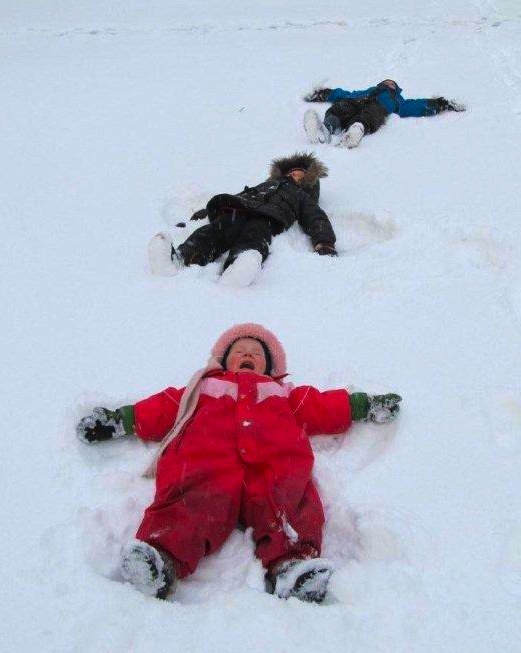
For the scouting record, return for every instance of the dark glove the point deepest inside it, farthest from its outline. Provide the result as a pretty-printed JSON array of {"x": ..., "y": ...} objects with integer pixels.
[
  {"x": 378, "y": 408},
  {"x": 442, "y": 104},
  {"x": 325, "y": 249},
  {"x": 318, "y": 95},
  {"x": 200, "y": 215},
  {"x": 106, "y": 424}
]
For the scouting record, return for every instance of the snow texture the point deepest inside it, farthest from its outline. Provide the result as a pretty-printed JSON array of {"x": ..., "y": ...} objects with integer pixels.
[{"x": 121, "y": 118}]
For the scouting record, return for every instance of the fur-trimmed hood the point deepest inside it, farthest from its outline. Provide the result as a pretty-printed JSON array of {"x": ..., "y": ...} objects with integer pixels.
[{"x": 314, "y": 168}]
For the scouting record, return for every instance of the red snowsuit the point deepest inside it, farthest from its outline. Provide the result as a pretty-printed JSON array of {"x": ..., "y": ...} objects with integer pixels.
[{"x": 244, "y": 456}]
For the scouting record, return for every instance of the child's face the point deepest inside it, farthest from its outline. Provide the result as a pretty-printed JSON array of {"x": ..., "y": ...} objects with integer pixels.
[
  {"x": 246, "y": 355},
  {"x": 297, "y": 175}
]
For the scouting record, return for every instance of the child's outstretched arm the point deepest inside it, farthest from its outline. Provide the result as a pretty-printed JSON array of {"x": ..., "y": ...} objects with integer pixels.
[
  {"x": 423, "y": 107},
  {"x": 333, "y": 411},
  {"x": 335, "y": 94},
  {"x": 149, "y": 419},
  {"x": 316, "y": 224}
]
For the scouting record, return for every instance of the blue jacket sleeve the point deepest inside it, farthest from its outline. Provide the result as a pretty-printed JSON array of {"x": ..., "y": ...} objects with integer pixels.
[
  {"x": 341, "y": 94},
  {"x": 416, "y": 108}
]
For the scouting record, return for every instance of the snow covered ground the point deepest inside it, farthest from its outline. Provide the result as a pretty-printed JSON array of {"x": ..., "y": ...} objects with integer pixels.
[{"x": 116, "y": 119}]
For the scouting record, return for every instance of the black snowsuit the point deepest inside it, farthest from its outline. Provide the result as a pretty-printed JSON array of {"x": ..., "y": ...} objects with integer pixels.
[
  {"x": 249, "y": 219},
  {"x": 344, "y": 113}
]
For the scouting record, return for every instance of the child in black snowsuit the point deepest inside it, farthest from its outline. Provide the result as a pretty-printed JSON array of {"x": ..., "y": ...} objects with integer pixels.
[
  {"x": 356, "y": 113},
  {"x": 243, "y": 224}
]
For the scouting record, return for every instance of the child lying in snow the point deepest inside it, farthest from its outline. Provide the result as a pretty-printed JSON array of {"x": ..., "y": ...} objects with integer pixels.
[
  {"x": 355, "y": 113},
  {"x": 244, "y": 224},
  {"x": 235, "y": 449}
]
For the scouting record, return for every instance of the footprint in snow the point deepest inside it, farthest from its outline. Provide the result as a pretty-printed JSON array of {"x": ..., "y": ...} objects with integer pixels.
[{"x": 483, "y": 251}]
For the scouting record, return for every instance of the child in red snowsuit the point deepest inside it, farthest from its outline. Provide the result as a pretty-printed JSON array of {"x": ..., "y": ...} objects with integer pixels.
[{"x": 235, "y": 451}]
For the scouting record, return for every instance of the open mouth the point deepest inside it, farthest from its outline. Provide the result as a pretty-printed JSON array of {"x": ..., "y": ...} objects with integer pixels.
[{"x": 247, "y": 365}]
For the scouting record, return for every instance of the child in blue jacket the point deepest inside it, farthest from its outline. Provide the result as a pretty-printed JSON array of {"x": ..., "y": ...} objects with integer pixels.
[{"x": 355, "y": 113}]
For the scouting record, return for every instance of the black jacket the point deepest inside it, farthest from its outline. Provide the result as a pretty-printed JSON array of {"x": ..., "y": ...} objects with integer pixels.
[{"x": 282, "y": 201}]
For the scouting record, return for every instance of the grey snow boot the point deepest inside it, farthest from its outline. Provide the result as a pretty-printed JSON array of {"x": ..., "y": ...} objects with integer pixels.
[
  {"x": 151, "y": 571},
  {"x": 306, "y": 580},
  {"x": 315, "y": 129}
]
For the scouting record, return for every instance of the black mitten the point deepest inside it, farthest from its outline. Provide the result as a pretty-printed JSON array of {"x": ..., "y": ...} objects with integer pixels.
[
  {"x": 200, "y": 215},
  {"x": 318, "y": 95},
  {"x": 442, "y": 104},
  {"x": 106, "y": 424},
  {"x": 325, "y": 249}
]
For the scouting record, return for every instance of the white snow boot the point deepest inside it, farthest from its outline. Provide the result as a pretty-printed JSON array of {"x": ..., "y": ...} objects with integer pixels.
[
  {"x": 244, "y": 270},
  {"x": 149, "y": 570},
  {"x": 315, "y": 128},
  {"x": 306, "y": 580},
  {"x": 162, "y": 258},
  {"x": 352, "y": 137}
]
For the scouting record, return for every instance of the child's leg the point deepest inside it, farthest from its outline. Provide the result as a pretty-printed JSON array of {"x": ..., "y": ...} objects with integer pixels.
[
  {"x": 201, "y": 247},
  {"x": 339, "y": 116},
  {"x": 255, "y": 234},
  {"x": 369, "y": 117},
  {"x": 372, "y": 115},
  {"x": 332, "y": 123},
  {"x": 196, "y": 505},
  {"x": 207, "y": 243},
  {"x": 279, "y": 536},
  {"x": 247, "y": 253}
]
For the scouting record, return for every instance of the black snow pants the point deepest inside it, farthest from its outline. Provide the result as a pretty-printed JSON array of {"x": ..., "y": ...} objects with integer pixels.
[
  {"x": 344, "y": 113},
  {"x": 233, "y": 230}
]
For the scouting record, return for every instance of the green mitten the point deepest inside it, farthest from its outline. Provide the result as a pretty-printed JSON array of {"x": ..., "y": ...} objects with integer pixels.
[{"x": 378, "y": 408}]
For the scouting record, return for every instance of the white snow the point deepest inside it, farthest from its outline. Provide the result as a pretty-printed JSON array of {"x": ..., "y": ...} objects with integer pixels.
[{"x": 120, "y": 118}]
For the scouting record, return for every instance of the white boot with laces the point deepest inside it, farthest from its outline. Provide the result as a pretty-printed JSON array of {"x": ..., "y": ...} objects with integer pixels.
[
  {"x": 162, "y": 258},
  {"x": 244, "y": 270},
  {"x": 352, "y": 137}
]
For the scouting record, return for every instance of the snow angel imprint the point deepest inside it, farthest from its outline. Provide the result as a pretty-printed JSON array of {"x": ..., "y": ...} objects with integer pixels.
[
  {"x": 356, "y": 113},
  {"x": 244, "y": 224},
  {"x": 235, "y": 450}
]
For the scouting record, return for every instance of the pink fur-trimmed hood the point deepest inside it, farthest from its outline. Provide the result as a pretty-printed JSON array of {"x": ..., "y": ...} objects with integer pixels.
[{"x": 251, "y": 330}]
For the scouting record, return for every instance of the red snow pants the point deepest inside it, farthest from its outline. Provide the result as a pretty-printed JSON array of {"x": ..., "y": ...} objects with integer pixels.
[{"x": 197, "y": 522}]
